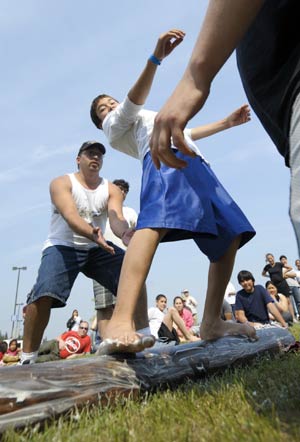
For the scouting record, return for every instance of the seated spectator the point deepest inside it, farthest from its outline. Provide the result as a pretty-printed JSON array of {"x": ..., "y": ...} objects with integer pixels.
[
  {"x": 281, "y": 303},
  {"x": 69, "y": 345},
  {"x": 275, "y": 271},
  {"x": 74, "y": 321},
  {"x": 230, "y": 294},
  {"x": 226, "y": 312},
  {"x": 161, "y": 323},
  {"x": 293, "y": 285},
  {"x": 3, "y": 349},
  {"x": 190, "y": 303},
  {"x": 253, "y": 304},
  {"x": 12, "y": 354},
  {"x": 185, "y": 314}
]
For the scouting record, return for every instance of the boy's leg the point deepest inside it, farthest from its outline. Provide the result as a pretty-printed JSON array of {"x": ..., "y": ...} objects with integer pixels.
[
  {"x": 212, "y": 326},
  {"x": 103, "y": 317},
  {"x": 134, "y": 272},
  {"x": 104, "y": 305},
  {"x": 141, "y": 312}
]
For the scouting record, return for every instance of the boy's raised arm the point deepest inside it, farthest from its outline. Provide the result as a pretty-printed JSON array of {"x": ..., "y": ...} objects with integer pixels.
[
  {"x": 239, "y": 116},
  {"x": 165, "y": 45}
]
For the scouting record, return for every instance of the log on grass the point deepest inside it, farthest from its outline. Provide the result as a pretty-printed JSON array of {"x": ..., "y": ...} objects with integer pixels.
[{"x": 33, "y": 394}]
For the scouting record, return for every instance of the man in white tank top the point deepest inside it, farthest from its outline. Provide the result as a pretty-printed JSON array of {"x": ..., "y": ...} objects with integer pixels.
[{"x": 81, "y": 203}]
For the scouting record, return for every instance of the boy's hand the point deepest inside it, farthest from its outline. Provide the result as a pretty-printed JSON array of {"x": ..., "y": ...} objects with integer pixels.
[
  {"x": 240, "y": 116},
  {"x": 167, "y": 42}
]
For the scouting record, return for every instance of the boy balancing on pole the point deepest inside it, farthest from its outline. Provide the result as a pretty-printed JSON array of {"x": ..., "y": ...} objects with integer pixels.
[{"x": 176, "y": 204}]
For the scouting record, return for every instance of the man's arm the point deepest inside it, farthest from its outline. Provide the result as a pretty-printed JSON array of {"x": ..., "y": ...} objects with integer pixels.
[
  {"x": 276, "y": 313},
  {"x": 225, "y": 23},
  {"x": 61, "y": 196},
  {"x": 165, "y": 45},
  {"x": 240, "y": 316},
  {"x": 117, "y": 222},
  {"x": 290, "y": 274},
  {"x": 61, "y": 342},
  {"x": 239, "y": 116}
]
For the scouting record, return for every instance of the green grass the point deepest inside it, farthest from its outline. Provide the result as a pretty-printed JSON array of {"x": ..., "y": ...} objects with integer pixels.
[{"x": 260, "y": 402}]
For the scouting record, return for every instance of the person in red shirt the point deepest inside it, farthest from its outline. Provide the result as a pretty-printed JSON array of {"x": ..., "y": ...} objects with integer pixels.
[{"x": 68, "y": 345}]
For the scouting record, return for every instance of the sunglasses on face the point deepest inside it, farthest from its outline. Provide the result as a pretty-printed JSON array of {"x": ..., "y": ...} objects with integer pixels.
[{"x": 84, "y": 328}]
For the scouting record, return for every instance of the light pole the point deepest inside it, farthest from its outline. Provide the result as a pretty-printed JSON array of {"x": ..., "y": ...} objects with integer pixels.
[{"x": 14, "y": 319}]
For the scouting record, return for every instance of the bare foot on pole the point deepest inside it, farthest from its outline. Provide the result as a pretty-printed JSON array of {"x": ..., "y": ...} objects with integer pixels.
[
  {"x": 220, "y": 328},
  {"x": 123, "y": 339}
]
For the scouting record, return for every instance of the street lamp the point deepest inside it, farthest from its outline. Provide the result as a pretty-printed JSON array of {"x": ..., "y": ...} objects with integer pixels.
[{"x": 14, "y": 318}]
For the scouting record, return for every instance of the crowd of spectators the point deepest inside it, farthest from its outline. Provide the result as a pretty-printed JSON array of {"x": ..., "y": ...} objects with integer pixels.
[{"x": 278, "y": 303}]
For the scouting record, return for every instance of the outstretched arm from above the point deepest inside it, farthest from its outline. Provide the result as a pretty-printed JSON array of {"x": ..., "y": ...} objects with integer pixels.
[
  {"x": 61, "y": 196},
  {"x": 166, "y": 43},
  {"x": 238, "y": 117},
  {"x": 225, "y": 23}
]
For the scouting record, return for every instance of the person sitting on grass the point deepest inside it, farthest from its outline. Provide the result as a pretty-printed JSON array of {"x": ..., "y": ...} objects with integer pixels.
[
  {"x": 253, "y": 303},
  {"x": 3, "y": 349},
  {"x": 226, "y": 312},
  {"x": 69, "y": 345},
  {"x": 185, "y": 314},
  {"x": 280, "y": 302},
  {"x": 12, "y": 354},
  {"x": 161, "y": 323}
]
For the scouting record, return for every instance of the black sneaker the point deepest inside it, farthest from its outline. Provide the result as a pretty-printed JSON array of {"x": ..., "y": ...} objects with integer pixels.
[{"x": 26, "y": 362}]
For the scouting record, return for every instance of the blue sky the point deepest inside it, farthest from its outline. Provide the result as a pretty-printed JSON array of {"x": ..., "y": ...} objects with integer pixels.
[{"x": 56, "y": 56}]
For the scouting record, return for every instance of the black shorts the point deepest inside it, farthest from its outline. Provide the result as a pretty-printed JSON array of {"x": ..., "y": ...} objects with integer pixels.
[{"x": 165, "y": 335}]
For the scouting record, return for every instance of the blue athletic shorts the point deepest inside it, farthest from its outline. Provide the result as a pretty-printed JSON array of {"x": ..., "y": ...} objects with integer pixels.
[
  {"x": 193, "y": 204},
  {"x": 60, "y": 266}
]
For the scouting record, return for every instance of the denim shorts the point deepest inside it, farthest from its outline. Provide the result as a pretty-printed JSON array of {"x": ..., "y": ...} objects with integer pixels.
[{"x": 60, "y": 266}]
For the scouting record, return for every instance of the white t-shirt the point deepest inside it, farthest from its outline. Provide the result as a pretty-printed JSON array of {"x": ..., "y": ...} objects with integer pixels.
[
  {"x": 293, "y": 282},
  {"x": 155, "y": 317},
  {"x": 191, "y": 303},
  {"x": 128, "y": 129},
  {"x": 297, "y": 275},
  {"x": 230, "y": 293}
]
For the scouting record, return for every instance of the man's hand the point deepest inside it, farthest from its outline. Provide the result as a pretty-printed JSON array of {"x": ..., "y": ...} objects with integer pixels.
[
  {"x": 61, "y": 344},
  {"x": 240, "y": 116},
  {"x": 171, "y": 121},
  {"x": 127, "y": 235},
  {"x": 98, "y": 238}
]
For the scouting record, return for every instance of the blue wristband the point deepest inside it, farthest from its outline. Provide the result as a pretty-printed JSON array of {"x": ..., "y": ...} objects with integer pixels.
[{"x": 155, "y": 60}]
